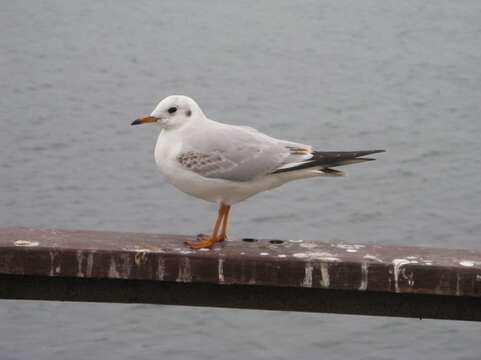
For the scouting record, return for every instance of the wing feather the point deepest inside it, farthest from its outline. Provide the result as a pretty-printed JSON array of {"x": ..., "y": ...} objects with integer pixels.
[
  {"x": 329, "y": 159},
  {"x": 239, "y": 153}
]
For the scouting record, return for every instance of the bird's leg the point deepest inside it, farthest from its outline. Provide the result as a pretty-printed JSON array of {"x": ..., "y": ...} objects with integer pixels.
[
  {"x": 213, "y": 238},
  {"x": 223, "y": 231}
]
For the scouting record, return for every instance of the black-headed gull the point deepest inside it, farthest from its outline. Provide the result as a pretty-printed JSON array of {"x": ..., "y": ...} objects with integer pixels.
[{"x": 227, "y": 164}]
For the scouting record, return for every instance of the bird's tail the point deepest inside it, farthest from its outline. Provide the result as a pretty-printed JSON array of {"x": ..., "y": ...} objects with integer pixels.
[{"x": 326, "y": 160}]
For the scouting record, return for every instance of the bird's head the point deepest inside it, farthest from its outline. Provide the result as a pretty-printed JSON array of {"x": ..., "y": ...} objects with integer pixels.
[{"x": 172, "y": 112}]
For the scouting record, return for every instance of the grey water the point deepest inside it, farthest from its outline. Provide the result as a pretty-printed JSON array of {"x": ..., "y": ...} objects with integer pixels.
[{"x": 341, "y": 75}]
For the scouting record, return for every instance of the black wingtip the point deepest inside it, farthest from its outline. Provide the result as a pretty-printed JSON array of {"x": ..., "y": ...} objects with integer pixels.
[
  {"x": 330, "y": 159},
  {"x": 369, "y": 152}
]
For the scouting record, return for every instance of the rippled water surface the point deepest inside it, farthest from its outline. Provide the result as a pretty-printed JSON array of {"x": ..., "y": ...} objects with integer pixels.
[{"x": 404, "y": 76}]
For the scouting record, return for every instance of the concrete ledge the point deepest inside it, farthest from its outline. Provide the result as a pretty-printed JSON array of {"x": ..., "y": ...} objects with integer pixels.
[{"x": 291, "y": 275}]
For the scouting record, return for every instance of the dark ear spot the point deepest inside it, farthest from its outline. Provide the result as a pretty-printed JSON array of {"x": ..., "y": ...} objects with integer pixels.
[{"x": 188, "y": 113}]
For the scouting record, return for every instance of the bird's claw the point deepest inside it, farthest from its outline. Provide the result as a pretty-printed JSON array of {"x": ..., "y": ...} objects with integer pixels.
[
  {"x": 202, "y": 244},
  {"x": 204, "y": 241}
]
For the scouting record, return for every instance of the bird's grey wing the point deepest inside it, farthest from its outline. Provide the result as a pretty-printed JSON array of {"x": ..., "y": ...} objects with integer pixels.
[{"x": 237, "y": 153}]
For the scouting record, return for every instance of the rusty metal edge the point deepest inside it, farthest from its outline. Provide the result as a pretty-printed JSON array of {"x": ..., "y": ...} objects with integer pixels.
[
  {"x": 419, "y": 306},
  {"x": 164, "y": 258}
]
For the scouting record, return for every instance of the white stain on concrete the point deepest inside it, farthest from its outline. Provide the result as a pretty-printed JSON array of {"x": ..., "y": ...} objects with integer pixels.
[
  {"x": 282, "y": 255},
  {"x": 220, "y": 270},
  {"x": 52, "y": 255},
  {"x": 324, "y": 256},
  {"x": 126, "y": 262},
  {"x": 26, "y": 243},
  {"x": 372, "y": 257},
  {"x": 364, "y": 276},
  {"x": 466, "y": 263},
  {"x": 161, "y": 269},
  {"x": 325, "y": 275},
  {"x": 80, "y": 259},
  {"x": 458, "y": 284},
  {"x": 140, "y": 257},
  {"x": 408, "y": 276},
  {"x": 307, "y": 282},
  {"x": 264, "y": 254},
  {"x": 184, "y": 274},
  {"x": 204, "y": 249},
  {"x": 138, "y": 249},
  {"x": 296, "y": 241},
  {"x": 352, "y": 248},
  {"x": 113, "y": 273},
  {"x": 317, "y": 255},
  {"x": 309, "y": 245},
  {"x": 398, "y": 270},
  {"x": 90, "y": 264}
]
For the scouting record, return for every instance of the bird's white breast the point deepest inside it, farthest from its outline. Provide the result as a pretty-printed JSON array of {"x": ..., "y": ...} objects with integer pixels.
[{"x": 169, "y": 146}]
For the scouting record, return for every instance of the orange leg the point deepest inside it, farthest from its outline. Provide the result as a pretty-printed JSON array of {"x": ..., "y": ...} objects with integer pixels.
[
  {"x": 223, "y": 231},
  {"x": 214, "y": 237}
]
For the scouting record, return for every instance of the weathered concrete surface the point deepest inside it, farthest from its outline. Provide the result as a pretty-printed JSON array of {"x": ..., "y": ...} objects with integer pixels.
[{"x": 289, "y": 265}]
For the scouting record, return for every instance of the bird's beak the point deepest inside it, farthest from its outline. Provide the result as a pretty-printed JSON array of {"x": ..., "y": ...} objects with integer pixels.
[{"x": 145, "y": 120}]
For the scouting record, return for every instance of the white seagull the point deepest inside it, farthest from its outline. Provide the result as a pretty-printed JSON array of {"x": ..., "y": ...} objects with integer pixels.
[{"x": 226, "y": 164}]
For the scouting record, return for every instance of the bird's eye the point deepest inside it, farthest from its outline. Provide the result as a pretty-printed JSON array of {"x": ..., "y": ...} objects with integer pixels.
[{"x": 172, "y": 110}]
